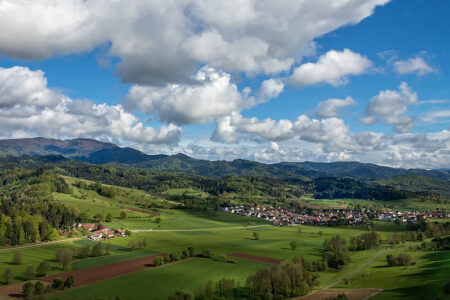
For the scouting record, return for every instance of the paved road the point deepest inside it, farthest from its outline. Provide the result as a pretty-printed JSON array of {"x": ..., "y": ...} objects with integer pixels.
[
  {"x": 40, "y": 244},
  {"x": 197, "y": 229}
]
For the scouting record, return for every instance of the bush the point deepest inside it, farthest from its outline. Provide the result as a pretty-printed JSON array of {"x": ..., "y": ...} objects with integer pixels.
[
  {"x": 293, "y": 245},
  {"x": 403, "y": 259},
  {"x": 207, "y": 253},
  {"x": 43, "y": 269},
  {"x": 174, "y": 256},
  {"x": 320, "y": 233},
  {"x": 17, "y": 259},
  {"x": 167, "y": 259},
  {"x": 69, "y": 282},
  {"x": 39, "y": 288},
  {"x": 191, "y": 251},
  {"x": 28, "y": 289},
  {"x": 29, "y": 273},
  {"x": 183, "y": 295},
  {"x": 58, "y": 284},
  {"x": 158, "y": 261},
  {"x": 123, "y": 215},
  {"x": 8, "y": 275},
  {"x": 255, "y": 235}
]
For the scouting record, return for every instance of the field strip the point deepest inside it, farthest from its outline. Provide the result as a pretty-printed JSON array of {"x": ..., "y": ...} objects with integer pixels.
[
  {"x": 40, "y": 244},
  {"x": 91, "y": 275},
  {"x": 197, "y": 229}
]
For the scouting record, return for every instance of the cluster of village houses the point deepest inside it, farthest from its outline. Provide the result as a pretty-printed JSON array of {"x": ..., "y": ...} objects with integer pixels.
[
  {"x": 291, "y": 217},
  {"x": 99, "y": 231}
]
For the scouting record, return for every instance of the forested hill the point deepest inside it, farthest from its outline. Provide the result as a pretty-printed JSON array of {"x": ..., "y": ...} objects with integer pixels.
[{"x": 96, "y": 152}]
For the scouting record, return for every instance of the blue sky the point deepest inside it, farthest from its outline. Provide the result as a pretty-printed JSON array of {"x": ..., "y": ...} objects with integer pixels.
[{"x": 245, "y": 79}]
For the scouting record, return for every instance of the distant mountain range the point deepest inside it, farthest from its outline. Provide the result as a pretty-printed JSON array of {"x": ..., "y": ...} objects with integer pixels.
[{"x": 96, "y": 152}]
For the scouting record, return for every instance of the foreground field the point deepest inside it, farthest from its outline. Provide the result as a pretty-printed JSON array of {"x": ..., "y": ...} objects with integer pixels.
[{"x": 160, "y": 283}]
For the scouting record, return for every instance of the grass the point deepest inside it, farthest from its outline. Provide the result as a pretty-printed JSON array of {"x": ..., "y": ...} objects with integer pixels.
[
  {"x": 160, "y": 283},
  {"x": 425, "y": 280}
]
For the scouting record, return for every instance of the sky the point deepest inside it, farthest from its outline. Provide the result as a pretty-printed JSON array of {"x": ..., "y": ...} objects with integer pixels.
[{"x": 271, "y": 81}]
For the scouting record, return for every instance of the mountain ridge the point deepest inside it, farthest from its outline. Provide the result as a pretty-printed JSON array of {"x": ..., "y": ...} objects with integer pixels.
[{"x": 97, "y": 152}]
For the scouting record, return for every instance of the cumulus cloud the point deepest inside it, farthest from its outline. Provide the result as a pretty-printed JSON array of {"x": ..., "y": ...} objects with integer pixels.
[
  {"x": 213, "y": 96},
  {"x": 160, "y": 42},
  {"x": 390, "y": 106},
  {"x": 415, "y": 65},
  {"x": 29, "y": 108},
  {"x": 333, "y": 68},
  {"x": 330, "y": 108},
  {"x": 331, "y": 132}
]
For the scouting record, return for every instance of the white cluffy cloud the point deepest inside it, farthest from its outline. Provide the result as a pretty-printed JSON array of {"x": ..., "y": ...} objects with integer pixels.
[
  {"x": 416, "y": 65},
  {"x": 390, "y": 106},
  {"x": 232, "y": 129},
  {"x": 330, "y": 108},
  {"x": 29, "y": 108},
  {"x": 333, "y": 68},
  {"x": 213, "y": 96},
  {"x": 160, "y": 42}
]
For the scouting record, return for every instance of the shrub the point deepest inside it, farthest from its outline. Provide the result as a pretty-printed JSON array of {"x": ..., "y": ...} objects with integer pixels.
[
  {"x": 167, "y": 259},
  {"x": 69, "y": 282},
  {"x": 43, "y": 269},
  {"x": 255, "y": 235},
  {"x": 183, "y": 295},
  {"x": 17, "y": 259},
  {"x": 28, "y": 289},
  {"x": 58, "y": 284},
  {"x": 320, "y": 233},
  {"x": 207, "y": 253},
  {"x": 29, "y": 273},
  {"x": 293, "y": 245},
  {"x": 39, "y": 288},
  {"x": 158, "y": 261}
]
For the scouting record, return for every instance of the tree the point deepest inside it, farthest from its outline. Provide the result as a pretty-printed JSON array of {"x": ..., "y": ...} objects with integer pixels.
[
  {"x": 158, "y": 220},
  {"x": 97, "y": 250},
  {"x": 38, "y": 288},
  {"x": 58, "y": 284},
  {"x": 99, "y": 217},
  {"x": 299, "y": 230},
  {"x": 293, "y": 245},
  {"x": 346, "y": 281},
  {"x": 8, "y": 275},
  {"x": 191, "y": 251},
  {"x": 183, "y": 295},
  {"x": 84, "y": 252},
  {"x": 17, "y": 259},
  {"x": 109, "y": 217},
  {"x": 28, "y": 289},
  {"x": 65, "y": 257},
  {"x": 320, "y": 233},
  {"x": 29, "y": 273},
  {"x": 123, "y": 215},
  {"x": 69, "y": 282},
  {"x": 43, "y": 269},
  {"x": 255, "y": 235}
]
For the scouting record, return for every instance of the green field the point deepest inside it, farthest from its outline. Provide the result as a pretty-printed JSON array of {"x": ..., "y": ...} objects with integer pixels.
[
  {"x": 425, "y": 280},
  {"x": 160, "y": 283}
]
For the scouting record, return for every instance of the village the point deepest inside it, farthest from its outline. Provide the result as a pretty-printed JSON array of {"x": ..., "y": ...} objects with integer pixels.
[
  {"x": 99, "y": 231},
  {"x": 331, "y": 217}
]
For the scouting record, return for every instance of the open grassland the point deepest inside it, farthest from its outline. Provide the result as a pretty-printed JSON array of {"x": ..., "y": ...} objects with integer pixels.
[
  {"x": 424, "y": 280},
  {"x": 160, "y": 283}
]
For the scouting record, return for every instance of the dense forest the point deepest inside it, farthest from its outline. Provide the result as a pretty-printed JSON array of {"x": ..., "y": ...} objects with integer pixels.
[{"x": 28, "y": 213}]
